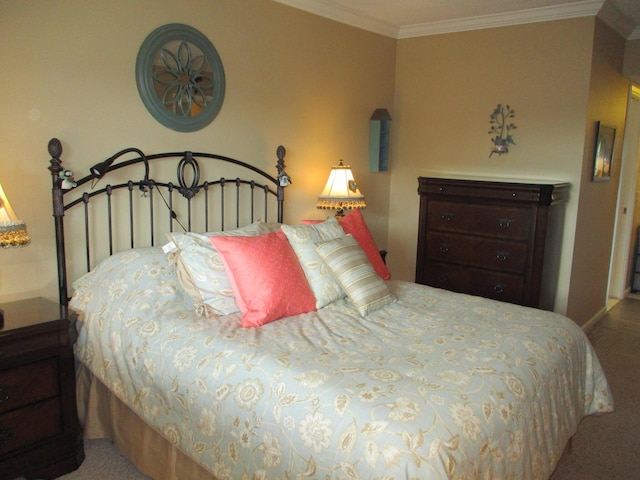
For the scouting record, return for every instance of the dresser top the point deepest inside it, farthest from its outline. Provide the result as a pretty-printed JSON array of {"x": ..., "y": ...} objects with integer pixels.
[
  {"x": 547, "y": 193},
  {"x": 492, "y": 178}
]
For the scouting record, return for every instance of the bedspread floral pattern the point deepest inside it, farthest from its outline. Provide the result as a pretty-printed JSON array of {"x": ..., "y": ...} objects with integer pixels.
[{"x": 436, "y": 385}]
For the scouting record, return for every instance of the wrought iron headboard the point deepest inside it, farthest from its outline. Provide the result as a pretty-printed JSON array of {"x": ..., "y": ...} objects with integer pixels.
[{"x": 260, "y": 196}]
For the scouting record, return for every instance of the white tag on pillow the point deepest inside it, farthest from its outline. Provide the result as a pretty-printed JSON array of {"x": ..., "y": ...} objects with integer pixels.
[{"x": 169, "y": 247}]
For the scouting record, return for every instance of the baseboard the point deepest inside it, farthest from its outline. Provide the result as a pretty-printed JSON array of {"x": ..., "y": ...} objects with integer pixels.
[{"x": 593, "y": 321}]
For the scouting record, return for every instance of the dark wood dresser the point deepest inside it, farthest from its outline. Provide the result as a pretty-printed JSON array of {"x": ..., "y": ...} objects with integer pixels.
[
  {"x": 488, "y": 238},
  {"x": 40, "y": 436}
]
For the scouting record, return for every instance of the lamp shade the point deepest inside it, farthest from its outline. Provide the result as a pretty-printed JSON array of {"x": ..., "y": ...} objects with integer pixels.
[
  {"x": 13, "y": 232},
  {"x": 341, "y": 191}
]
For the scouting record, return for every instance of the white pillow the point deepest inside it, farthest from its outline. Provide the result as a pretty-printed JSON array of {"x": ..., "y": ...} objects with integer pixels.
[{"x": 303, "y": 239}]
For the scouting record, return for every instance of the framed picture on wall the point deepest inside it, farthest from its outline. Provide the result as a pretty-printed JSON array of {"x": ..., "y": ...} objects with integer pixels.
[{"x": 603, "y": 156}]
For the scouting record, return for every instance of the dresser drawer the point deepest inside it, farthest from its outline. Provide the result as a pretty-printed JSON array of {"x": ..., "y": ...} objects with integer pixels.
[
  {"x": 498, "y": 286},
  {"x": 481, "y": 252},
  {"x": 492, "y": 192},
  {"x": 28, "y": 425},
  {"x": 505, "y": 222},
  {"x": 28, "y": 384}
]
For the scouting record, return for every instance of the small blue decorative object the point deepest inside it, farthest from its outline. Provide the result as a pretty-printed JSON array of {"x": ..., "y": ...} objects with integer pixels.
[{"x": 379, "y": 131}]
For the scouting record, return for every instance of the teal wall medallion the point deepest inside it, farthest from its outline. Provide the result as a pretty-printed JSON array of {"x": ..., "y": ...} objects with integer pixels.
[
  {"x": 379, "y": 132},
  {"x": 180, "y": 77}
]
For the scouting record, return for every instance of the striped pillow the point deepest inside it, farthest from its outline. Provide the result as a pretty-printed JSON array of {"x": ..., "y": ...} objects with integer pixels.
[{"x": 349, "y": 263}]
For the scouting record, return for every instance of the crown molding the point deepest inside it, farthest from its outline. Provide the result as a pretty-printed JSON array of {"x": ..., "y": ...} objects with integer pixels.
[
  {"x": 619, "y": 22},
  {"x": 542, "y": 14},
  {"x": 343, "y": 15},
  {"x": 352, "y": 17}
]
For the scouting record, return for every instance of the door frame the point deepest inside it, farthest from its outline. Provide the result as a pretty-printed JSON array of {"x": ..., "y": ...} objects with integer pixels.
[{"x": 619, "y": 278}]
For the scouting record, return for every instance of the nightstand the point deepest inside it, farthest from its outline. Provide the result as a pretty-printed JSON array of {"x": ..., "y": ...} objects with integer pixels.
[{"x": 40, "y": 436}]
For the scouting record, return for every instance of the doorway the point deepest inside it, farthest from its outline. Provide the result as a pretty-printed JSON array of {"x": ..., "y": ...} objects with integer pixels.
[{"x": 627, "y": 209}]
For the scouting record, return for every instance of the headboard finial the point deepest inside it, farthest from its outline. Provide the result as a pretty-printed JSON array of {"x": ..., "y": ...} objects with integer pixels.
[{"x": 55, "y": 148}]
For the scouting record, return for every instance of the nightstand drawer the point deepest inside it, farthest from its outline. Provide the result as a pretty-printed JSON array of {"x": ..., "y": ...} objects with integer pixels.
[
  {"x": 39, "y": 344},
  {"x": 28, "y": 384},
  {"x": 507, "y": 222},
  {"x": 493, "y": 254},
  {"x": 28, "y": 425},
  {"x": 40, "y": 436}
]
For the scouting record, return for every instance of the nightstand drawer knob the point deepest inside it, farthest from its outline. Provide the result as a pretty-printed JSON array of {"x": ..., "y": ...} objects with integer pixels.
[
  {"x": 498, "y": 289},
  {"x": 4, "y": 394}
]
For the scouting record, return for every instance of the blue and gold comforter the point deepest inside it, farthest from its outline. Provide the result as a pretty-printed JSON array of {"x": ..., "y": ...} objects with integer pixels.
[{"x": 437, "y": 385}]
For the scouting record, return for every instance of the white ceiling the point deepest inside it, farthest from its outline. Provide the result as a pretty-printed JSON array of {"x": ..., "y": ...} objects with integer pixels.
[{"x": 413, "y": 18}]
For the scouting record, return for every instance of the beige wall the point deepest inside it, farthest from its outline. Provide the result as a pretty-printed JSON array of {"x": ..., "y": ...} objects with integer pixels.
[
  {"x": 608, "y": 94},
  {"x": 446, "y": 88},
  {"x": 292, "y": 78},
  {"x": 311, "y": 84}
]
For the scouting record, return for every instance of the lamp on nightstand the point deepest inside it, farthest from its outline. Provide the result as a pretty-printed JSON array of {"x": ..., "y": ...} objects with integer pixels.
[
  {"x": 341, "y": 191},
  {"x": 13, "y": 232}
]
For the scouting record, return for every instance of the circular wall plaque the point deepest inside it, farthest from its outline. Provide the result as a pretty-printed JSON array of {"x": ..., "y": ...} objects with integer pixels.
[{"x": 180, "y": 77}]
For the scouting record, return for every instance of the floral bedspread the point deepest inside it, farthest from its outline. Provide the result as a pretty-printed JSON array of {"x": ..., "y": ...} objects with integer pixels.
[{"x": 437, "y": 385}]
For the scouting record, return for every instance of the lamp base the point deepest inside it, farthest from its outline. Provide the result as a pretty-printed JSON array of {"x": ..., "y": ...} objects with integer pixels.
[{"x": 340, "y": 213}]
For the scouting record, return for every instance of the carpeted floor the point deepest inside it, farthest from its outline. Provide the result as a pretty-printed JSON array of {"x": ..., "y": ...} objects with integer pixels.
[
  {"x": 605, "y": 448},
  {"x": 103, "y": 462},
  {"x": 608, "y": 447}
]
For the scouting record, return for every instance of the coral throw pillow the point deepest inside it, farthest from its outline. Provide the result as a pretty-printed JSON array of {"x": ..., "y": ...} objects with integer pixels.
[
  {"x": 266, "y": 277},
  {"x": 353, "y": 223}
]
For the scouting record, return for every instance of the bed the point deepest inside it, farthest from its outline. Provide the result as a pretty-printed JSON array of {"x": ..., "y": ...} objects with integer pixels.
[{"x": 253, "y": 348}]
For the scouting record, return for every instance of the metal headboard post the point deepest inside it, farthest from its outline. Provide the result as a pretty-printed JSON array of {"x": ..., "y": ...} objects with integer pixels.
[
  {"x": 283, "y": 181},
  {"x": 55, "y": 150}
]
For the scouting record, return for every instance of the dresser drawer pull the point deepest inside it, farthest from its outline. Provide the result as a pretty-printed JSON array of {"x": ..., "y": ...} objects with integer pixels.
[
  {"x": 4, "y": 394},
  {"x": 444, "y": 248},
  {"x": 446, "y": 217},
  {"x": 502, "y": 256},
  {"x": 504, "y": 223},
  {"x": 498, "y": 289},
  {"x": 442, "y": 279},
  {"x": 5, "y": 435}
]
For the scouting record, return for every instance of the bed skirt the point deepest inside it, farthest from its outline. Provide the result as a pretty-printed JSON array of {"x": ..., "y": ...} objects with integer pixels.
[{"x": 103, "y": 415}]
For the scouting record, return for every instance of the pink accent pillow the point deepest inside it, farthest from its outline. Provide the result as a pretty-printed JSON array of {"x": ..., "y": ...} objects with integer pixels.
[
  {"x": 266, "y": 277},
  {"x": 353, "y": 223}
]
